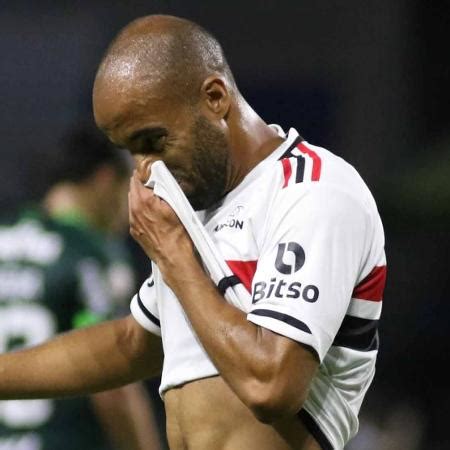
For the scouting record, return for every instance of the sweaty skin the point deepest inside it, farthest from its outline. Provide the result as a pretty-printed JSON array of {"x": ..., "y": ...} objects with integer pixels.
[{"x": 207, "y": 128}]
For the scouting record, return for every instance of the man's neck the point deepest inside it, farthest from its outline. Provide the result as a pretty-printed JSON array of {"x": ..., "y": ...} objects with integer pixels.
[{"x": 252, "y": 141}]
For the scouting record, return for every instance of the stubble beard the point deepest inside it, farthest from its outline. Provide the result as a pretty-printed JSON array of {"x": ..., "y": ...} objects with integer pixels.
[{"x": 210, "y": 164}]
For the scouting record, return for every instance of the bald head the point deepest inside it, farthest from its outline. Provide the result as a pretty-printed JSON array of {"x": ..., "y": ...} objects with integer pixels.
[
  {"x": 166, "y": 52},
  {"x": 165, "y": 92}
]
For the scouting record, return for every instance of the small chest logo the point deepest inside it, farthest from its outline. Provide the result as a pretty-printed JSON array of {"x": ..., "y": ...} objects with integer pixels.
[
  {"x": 232, "y": 223},
  {"x": 232, "y": 220}
]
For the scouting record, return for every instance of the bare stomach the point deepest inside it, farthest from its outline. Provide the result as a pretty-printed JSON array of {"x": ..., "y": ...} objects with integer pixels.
[{"x": 206, "y": 415}]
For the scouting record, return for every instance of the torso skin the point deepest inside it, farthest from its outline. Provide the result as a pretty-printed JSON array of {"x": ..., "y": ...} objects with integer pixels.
[{"x": 206, "y": 415}]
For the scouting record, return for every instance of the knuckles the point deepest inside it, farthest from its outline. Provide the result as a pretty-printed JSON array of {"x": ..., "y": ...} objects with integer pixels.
[{"x": 135, "y": 231}]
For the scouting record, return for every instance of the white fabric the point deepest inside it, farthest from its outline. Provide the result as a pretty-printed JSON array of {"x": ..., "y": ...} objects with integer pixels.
[
  {"x": 303, "y": 234},
  {"x": 165, "y": 186}
]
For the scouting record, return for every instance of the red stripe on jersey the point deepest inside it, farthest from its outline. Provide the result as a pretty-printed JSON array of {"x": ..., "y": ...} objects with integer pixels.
[
  {"x": 287, "y": 171},
  {"x": 317, "y": 162},
  {"x": 372, "y": 287},
  {"x": 245, "y": 271}
]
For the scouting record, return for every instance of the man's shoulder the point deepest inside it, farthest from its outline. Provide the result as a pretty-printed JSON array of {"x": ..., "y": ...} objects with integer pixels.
[
  {"x": 312, "y": 170},
  {"x": 297, "y": 177},
  {"x": 307, "y": 163}
]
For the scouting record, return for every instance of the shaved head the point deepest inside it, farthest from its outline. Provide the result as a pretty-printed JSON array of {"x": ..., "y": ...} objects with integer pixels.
[
  {"x": 164, "y": 91},
  {"x": 170, "y": 53}
]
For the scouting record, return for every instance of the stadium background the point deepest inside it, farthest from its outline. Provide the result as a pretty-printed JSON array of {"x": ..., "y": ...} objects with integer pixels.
[{"x": 369, "y": 80}]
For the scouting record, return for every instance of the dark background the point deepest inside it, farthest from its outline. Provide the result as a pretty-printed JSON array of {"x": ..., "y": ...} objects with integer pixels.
[{"x": 370, "y": 80}]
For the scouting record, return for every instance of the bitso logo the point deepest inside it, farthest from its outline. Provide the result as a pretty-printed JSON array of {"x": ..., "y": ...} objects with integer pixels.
[
  {"x": 291, "y": 248},
  {"x": 290, "y": 259}
]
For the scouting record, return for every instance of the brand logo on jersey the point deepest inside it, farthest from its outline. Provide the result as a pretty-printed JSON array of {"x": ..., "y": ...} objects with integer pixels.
[
  {"x": 231, "y": 223},
  {"x": 279, "y": 288},
  {"x": 232, "y": 220},
  {"x": 290, "y": 259},
  {"x": 282, "y": 260}
]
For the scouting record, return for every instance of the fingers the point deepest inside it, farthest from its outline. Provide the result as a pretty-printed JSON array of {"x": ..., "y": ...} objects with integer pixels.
[
  {"x": 143, "y": 202},
  {"x": 143, "y": 168},
  {"x": 135, "y": 201},
  {"x": 138, "y": 193},
  {"x": 135, "y": 185},
  {"x": 153, "y": 223},
  {"x": 142, "y": 205}
]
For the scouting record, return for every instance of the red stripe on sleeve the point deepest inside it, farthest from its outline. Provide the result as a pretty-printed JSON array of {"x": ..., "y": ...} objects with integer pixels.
[
  {"x": 245, "y": 271},
  {"x": 287, "y": 171},
  {"x": 317, "y": 162},
  {"x": 372, "y": 287}
]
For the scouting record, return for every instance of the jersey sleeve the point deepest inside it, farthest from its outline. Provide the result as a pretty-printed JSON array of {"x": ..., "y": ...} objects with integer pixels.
[
  {"x": 145, "y": 308},
  {"x": 311, "y": 253}
]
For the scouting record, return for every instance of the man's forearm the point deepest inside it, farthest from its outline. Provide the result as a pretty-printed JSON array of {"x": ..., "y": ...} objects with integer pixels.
[
  {"x": 79, "y": 362},
  {"x": 222, "y": 328},
  {"x": 269, "y": 373}
]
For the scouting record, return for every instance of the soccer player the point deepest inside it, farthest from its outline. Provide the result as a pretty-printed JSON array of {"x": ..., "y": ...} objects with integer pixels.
[
  {"x": 297, "y": 226},
  {"x": 61, "y": 267}
]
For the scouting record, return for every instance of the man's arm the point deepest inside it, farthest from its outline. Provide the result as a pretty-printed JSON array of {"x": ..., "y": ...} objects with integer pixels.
[
  {"x": 270, "y": 373},
  {"x": 88, "y": 360}
]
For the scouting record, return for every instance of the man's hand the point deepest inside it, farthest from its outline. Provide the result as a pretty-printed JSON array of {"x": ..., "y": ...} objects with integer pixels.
[{"x": 156, "y": 227}]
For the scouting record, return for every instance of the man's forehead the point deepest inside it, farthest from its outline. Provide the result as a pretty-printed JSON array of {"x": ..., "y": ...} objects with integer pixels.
[
  {"x": 115, "y": 103},
  {"x": 130, "y": 70}
]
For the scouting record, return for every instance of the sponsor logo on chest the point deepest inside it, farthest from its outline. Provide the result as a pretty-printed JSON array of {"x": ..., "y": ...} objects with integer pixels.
[{"x": 232, "y": 220}]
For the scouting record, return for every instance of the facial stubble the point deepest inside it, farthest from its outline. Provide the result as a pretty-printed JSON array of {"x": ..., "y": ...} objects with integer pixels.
[{"x": 210, "y": 164}]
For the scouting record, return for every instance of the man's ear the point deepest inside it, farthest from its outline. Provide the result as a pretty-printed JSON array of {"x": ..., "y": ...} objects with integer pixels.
[{"x": 215, "y": 98}]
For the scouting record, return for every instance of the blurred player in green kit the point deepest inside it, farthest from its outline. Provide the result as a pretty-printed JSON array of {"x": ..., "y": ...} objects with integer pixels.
[{"x": 62, "y": 267}]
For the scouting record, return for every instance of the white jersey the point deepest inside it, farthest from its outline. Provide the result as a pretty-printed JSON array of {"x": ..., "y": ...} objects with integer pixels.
[{"x": 302, "y": 233}]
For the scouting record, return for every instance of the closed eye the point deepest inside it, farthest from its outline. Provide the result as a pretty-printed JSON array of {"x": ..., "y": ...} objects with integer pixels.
[{"x": 148, "y": 141}]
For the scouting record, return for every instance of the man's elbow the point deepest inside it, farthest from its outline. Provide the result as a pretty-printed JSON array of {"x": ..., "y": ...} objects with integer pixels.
[{"x": 271, "y": 403}]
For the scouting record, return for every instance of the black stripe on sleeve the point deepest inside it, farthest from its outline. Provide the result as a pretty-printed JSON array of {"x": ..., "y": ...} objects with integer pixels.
[
  {"x": 289, "y": 320},
  {"x": 228, "y": 282},
  {"x": 314, "y": 429},
  {"x": 357, "y": 334},
  {"x": 147, "y": 313}
]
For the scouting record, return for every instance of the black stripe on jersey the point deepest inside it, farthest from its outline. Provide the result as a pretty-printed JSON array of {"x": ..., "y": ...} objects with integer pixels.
[
  {"x": 300, "y": 159},
  {"x": 289, "y": 320},
  {"x": 314, "y": 429},
  {"x": 357, "y": 334},
  {"x": 147, "y": 313},
  {"x": 300, "y": 169},
  {"x": 228, "y": 282},
  {"x": 288, "y": 152}
]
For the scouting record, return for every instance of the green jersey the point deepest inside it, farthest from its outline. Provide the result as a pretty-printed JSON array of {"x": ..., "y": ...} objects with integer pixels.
[{"x": 54, "y": 275}]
